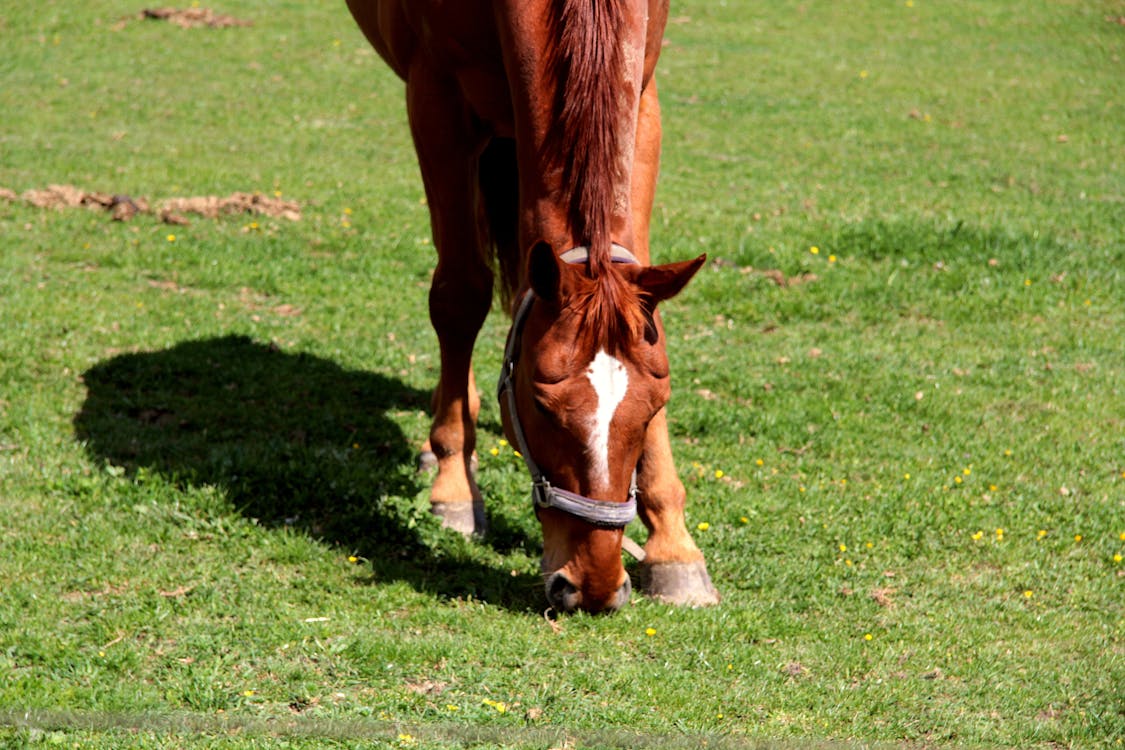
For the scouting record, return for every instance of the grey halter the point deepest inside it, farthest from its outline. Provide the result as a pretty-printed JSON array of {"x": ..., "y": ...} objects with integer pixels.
[{"x": 601, "y": 513}]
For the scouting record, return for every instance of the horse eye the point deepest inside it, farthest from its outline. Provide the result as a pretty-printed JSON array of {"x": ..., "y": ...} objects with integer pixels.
[{"x": 541, "y": 407}]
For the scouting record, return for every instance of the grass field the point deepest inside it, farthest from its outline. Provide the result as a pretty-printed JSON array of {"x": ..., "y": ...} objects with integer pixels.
[{"x": 899, "y": 396}]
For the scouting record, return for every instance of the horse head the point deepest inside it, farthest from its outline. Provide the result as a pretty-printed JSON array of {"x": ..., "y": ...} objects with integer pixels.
[{"x": 586, "y": 371}]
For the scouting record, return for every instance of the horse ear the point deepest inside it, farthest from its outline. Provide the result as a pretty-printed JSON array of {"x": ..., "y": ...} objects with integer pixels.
[
  {"x": 543, "y": 272},
  {"x": 664, "y": 282}
]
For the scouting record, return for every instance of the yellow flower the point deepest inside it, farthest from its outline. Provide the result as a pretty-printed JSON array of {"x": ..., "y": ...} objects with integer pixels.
[
  {"x": 843, "y": 548},
  {"x": 863, "y": 74},
  {"x": 1028, "y": 594},
  {"x": 498, "y": 705},
  {"x": 760, "y": 462},
  {"x": 650, "y": 632},
  {"x": 1078, "y": 537},
  {"x": 703, "y": 526},
  {"x": 171, "y": 238},
  {"x": 743, "y": 519},
  {"x": 870, "y": 545},
  {"x": 906, "y": 476},
  {"x": 957, "y": 480},
  {"x": 1042, "y": 533},
  {"x": 348, "y": 211},
  {"x": 831, "y": 258},
  {"x": 967, "y": 470},
  {"x": 248, "y": 693},
  {"x": 814, "y": 250},
  {"x": 992, "y": 488},
  {"x": 1007, "y": 451},
  {"x": 518, "y": 454},
  {"x": 451, "y": 707},
  {"x": 719, "y": 474},
  {"x": 1121, "y": 536},
  {"x": 868, "y": 637},
  {"x": 353, "y": 559},
  {"x": 977, "y": 536},
  {"x": 1117, "y": 558},
  {"x": 503, "y": 443},
  {"x": 494, "y": 451}
]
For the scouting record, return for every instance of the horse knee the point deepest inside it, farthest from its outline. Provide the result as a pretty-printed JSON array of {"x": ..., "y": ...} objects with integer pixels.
[{"x": 459, "y": 303}]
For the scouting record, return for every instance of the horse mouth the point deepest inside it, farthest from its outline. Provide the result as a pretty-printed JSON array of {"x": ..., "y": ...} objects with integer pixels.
[{"x": 566, "y": 598}]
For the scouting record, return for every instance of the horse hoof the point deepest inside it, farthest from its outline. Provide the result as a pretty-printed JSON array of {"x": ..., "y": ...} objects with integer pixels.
[
  {"x": 427, "y": 460},
  {"x": 684, "y": 584},
  {"x": 466, "y": 518}
]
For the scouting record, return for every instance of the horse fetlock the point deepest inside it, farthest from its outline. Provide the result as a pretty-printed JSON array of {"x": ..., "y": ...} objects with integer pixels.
[{"x": 427, "y": 461}]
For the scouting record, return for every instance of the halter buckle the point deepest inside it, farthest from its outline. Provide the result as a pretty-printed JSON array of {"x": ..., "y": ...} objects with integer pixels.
[{"x": 541, "y": 493}]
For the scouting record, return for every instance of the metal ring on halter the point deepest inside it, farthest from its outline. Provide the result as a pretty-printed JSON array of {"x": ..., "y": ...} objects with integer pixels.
[{"x": 603, "y": 513}]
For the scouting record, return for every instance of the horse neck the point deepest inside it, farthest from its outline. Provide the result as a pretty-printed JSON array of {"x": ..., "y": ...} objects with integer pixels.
[{"x": 576, "y": 69}]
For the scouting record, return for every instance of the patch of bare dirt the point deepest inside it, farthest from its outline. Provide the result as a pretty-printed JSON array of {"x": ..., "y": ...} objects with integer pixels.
[
  {"x": 213, "y": 206},
  {"x": 781, "y": 279},
  {"x": 191, "y": 18},
  {"x": 427, "y": 687},
  {"x": 171, "y": 210},
  {"x": 882, "y": 596},
  {"x": 795, "y": 669}
]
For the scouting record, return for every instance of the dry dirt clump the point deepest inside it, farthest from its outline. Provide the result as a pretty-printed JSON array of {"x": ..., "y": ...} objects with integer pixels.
[
  {"x": 123, "y": 207},
  {"x": 171, "y": 211},
  {"x": 781, "y": 279},
  {"x": 213, "y": 206},
  {"x": 190, "y": 18}
]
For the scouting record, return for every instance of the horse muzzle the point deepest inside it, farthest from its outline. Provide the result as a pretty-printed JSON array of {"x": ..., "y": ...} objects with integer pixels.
[{"x": 565, "y": 597}]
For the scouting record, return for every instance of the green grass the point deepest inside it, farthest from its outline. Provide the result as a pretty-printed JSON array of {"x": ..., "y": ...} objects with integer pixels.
[{"x": 199, "y": 435}]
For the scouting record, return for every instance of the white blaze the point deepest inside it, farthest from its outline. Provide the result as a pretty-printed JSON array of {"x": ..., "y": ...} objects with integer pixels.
[{"x": 610, "y": 381}]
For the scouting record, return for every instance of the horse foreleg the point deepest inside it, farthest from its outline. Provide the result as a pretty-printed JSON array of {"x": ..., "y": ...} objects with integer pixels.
[
  {"x": 427, "y": 459},
  {"x": 461, "y": 291},
  {"x": 454, "y": 495},
  {"x": 673, "y": 569}
]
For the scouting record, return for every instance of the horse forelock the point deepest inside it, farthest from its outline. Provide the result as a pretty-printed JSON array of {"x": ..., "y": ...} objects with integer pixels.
[
  {"x": 611, "y": 311},
  {"x": 586, "y": 141}
]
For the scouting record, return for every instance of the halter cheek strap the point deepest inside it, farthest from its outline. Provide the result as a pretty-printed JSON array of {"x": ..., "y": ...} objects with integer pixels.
[{"x": 601, "y": 513}]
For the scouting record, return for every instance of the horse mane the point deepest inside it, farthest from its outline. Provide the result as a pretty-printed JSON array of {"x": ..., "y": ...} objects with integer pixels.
[
  {"x": 584, "y": 146},
  {"x": 585, "y": 142}
]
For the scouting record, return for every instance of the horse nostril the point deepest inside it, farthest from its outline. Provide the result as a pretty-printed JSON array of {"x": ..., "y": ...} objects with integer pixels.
[
  {"x": 624, "y": 593},
  {"x": 561, "y": 593}
]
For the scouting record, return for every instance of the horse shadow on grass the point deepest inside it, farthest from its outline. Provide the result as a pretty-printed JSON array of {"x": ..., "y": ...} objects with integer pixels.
[{"x": 294, "y": 440}]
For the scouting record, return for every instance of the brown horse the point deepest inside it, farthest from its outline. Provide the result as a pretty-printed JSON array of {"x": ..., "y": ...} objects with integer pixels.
[{"x": 537, "y": 129}]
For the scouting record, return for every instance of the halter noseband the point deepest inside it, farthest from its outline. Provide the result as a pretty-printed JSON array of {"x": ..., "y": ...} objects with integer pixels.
[{"x": 601, "y": 513}]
